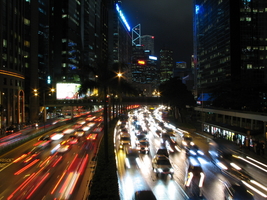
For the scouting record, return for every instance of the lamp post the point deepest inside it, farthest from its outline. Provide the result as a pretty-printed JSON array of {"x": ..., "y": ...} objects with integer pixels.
[
  {"x": 52, "y": 90},
  {"x": 105, "y": 113}
]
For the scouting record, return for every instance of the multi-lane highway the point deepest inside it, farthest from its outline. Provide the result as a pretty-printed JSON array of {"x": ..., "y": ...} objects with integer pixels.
[
  {"x": 58, "y": 167},
  {"x": 136, "y": 172}
]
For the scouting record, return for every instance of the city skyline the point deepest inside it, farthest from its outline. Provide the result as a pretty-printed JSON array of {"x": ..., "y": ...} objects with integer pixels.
[{"x": 169, "y": 21}]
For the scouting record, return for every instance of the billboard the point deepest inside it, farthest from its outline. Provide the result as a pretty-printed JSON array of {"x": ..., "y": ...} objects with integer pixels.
[{"x": 67, "y": 90}]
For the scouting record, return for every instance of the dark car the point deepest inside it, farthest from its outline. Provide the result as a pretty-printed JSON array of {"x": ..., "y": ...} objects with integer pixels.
[
  {"x": 194, "y": 178},
  {"x": 237, "y": 192},
  {"x": 45, "y": 138},
  {"x": 10, "y": 130},
  {"x": 143, "y": 146},
  {"x": 162, "y": 151},
  {"x": 161, "y": 165},
  {"x": 144, "y": 195}
]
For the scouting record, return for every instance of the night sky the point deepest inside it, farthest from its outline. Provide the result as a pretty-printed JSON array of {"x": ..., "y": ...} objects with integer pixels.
[{"x": 170, "y": 21}]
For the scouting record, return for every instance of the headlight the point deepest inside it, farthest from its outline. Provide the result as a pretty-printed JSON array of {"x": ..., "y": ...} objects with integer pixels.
[
  {"x": 192, "y": 153},
  {"x": 171, "y": 170},
  {"x": 184, "y": 143},
  {"x": 192, "y": 143},
  {"x": 222, "y": 166},
  {"x": 146, "y": 148},
  {"x": 160, "y": 170},
  {"x": 200, "y": 152}
]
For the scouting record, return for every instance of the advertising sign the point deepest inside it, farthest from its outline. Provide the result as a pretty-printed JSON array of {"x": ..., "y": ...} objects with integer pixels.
[{"x": 67, "y": 90}]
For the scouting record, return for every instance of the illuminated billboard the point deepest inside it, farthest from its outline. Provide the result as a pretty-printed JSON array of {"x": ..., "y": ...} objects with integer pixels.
[{"x": 67, "y": 90}]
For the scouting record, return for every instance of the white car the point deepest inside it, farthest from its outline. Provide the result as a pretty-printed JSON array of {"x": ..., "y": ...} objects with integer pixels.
[
  {"x": 79, "y": 133},
  {"x": 63, "y": 147},
  {"x": 161, "y": 165}
]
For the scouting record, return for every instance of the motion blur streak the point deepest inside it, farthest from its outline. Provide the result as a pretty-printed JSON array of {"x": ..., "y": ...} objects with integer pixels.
[
  {"x": 74, "y": 182},
  {"x": 259, "y": 185},
  {"x": 256, "y": 161},
  {"x": 254, "y": 189},
  {"x": 72, "y": 179},
  {"x": 82, "y": 167},
  {"x": 57, "y": 161},
  {"x": 63, "y": 188},
  {"x": 235, "y": 166},
  {"x": 127, "y": 163},
  {"x": 72, "y": 161},
  {"x": 42, "y": 180},
  {"x": 59, "y": 181},
  {"x": 20, "y": 158},
  {"x": 48, "y": 158},
  {"x": 22, "y": 185},
  {"x": 39, "y": 142},
  {"x": 265, "y": 170},
  {"x": 188, "y": 182},
  {"x": 201, "y": 181},
  {"x": 26, "y": 167}
]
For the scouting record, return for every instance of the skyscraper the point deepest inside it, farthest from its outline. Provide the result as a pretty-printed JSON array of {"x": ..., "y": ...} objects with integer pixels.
[
  {"x": 15, "y": 49},
  {"x": 166, "y": 64},
  {"x": 120, "y": 40},
  {"x": 230, "y": 40},
  {"x": 148, "y": 43}
]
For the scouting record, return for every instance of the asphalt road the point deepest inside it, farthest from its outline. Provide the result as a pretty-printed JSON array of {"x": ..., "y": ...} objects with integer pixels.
[{"x": 49, "y": 174}]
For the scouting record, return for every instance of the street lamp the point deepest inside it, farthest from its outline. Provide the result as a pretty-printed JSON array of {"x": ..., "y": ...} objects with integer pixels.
[
  {"x": 105, "y": 113},
  {"x": 52, "y": 90}
]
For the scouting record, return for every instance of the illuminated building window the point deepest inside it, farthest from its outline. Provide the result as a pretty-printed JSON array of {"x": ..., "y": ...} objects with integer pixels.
[
  {"x": 27, "y": 43},
  {"x": 4, "y": 43},
  {"x": 26, "y": 21},
  {"x": 249, "y": 66}
]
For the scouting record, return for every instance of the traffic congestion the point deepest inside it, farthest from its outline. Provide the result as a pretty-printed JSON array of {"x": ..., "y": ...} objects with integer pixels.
[
  {"x": 54, "y": 164},
  {"x": 175, "y": 164}
]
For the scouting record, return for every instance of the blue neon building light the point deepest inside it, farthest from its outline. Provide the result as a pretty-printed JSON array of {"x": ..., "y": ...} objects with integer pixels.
[
  {"x": 122, "y": 17},
  {"x": 197, "y": 9}
]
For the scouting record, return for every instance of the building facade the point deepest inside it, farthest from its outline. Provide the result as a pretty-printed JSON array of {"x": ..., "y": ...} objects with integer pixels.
[
  {"x": 14, "y": 48},
  {"x": 166, "y": 64},
  {"x": 230, "y": 42},
  {"x": 148, "y": 43}
]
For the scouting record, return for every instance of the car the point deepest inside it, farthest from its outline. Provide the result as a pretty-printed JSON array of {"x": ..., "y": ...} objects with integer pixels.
[
  {"x": 73, "y": 139},
  {"x": 161, "y": 165},
  {"x": 187, "y": 142},
  {"x": 92, "y": 136},
  {"x": 33, "y": 154},
  {"x": 237, "y": 191},
  {"x": 195, "y": 151},
  {"x": 79, "y": 133},
  {"x": 56, "y": 136},
  {"x": 162, "y": 152},
  {"x": 141, "y": 137},
  {"x": 143, "y": 146},
  {"x": 63, "y": 147},
  {"x": 144, "y": 195},
  {"x": 194, "y": 178},
  {"x": 44, "y": 138},
  {"x": 125, "y": 139},
  {"x": 68, "y": 131}
]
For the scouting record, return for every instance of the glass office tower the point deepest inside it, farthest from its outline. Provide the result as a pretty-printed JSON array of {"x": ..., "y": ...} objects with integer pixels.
[{"x": 230, "y": 42}]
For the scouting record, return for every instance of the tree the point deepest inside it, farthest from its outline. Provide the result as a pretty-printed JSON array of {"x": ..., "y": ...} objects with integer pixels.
[
  {"x": 177, "y": 95},
  {"x": 108, "y": 78}
]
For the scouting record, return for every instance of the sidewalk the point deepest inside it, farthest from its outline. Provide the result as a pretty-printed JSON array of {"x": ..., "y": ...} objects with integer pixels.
[
  {"x": 244, "y": 151},
  {"x": 226, "y": 143}
]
